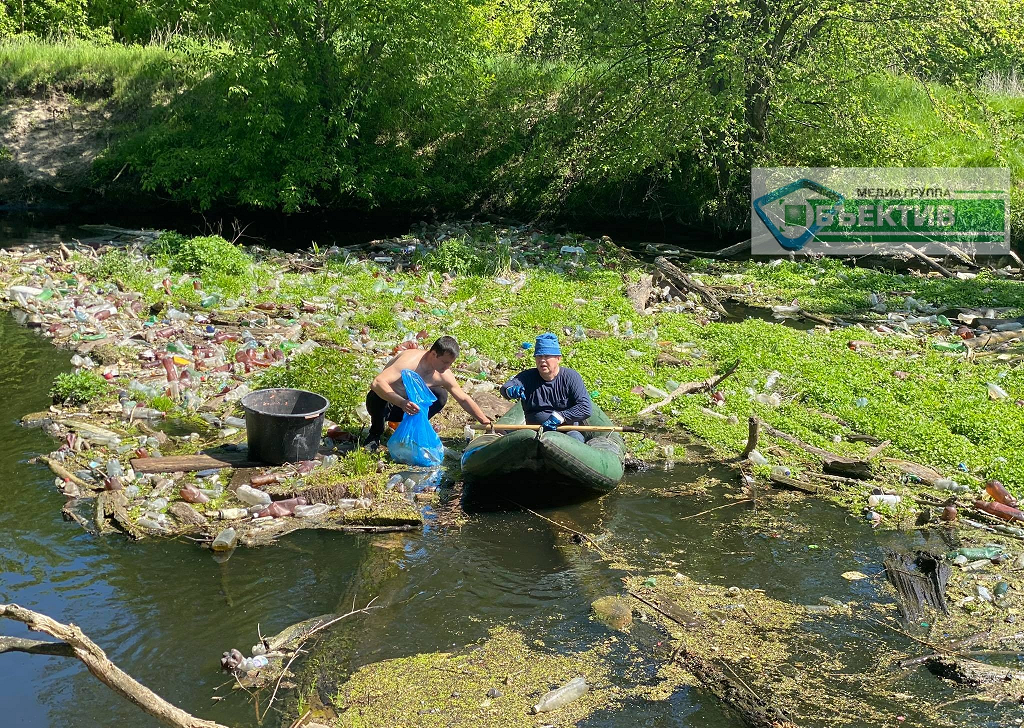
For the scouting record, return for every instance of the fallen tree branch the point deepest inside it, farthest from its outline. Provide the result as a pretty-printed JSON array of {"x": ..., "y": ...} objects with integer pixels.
[
  {"x": 35, "y": 647},
  {"x": 690, "y": 388},
  {"x": 753, "y": 435},
  {"x": 854, "y": 467},
  {"x": 108, "y": 673},
  {"x": 931, "y": 262},
  {"x": 680, "y": 278}
]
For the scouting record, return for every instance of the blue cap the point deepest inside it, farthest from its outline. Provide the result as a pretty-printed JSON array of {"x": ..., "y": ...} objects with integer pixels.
[{"x": 547, "y": 345}]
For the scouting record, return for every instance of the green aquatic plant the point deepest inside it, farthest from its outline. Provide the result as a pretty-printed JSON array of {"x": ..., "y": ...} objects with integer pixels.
[{"x": 79, "y": 387}]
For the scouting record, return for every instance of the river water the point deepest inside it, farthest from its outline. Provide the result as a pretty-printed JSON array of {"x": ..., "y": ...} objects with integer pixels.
[{"x": 164, "y": 611}]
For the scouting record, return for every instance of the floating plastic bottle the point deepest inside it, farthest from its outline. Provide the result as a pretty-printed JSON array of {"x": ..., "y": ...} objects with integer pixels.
[
  {"x": 225, "y": 540},
  {"x": 191, "y": 494},
  {"x": 311, "y": 511},
  {"x": 998, "y": 493},
  {"x": 975, "y": 553},
  {"x": 572, "y": 690},
  {"x": 253, "y": 663},
  {"x": 252, "y": 496},
  {"x": 999, "y": 510}
]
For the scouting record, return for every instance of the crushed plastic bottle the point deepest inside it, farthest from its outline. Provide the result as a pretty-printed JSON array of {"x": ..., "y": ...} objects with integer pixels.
[
  {"x": 951, "y": 485},
  {"x": 572, "y": 690},
  {"x": 651, "y": 391}
]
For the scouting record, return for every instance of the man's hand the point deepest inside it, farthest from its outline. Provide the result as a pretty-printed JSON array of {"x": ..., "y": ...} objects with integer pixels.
[
  {"x": 410, "y": 407},
  {"x": 514, "y": 391},
  {"x": 552, "y": 422}
]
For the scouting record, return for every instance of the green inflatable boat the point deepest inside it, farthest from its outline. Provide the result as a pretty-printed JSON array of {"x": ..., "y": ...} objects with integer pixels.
[{"x": 532, "y": 462}]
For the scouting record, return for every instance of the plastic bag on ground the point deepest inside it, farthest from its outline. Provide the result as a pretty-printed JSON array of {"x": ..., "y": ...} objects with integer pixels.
[{"x": 415, "y": 442}]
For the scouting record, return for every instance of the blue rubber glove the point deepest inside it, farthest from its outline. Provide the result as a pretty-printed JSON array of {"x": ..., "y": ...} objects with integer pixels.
[
  {"x": 514, "y": 391},
  {"x": 552, "y": 422}
]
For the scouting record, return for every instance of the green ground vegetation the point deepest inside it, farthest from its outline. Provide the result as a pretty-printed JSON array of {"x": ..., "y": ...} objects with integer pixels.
[
  {"x": 79, "y": 387},
  {"x": 525, "y": 106}
]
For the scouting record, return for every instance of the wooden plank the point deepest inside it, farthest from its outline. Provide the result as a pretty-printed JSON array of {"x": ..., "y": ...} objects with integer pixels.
[{"x": 189, "y": 463}]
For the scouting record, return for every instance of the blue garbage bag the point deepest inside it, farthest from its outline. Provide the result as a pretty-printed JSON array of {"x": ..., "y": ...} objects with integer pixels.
[{"x": 415, "y": 442}]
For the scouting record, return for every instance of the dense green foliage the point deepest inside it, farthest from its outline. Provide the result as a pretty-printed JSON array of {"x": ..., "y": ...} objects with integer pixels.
[
  {"x": 210, "y": 254},
  {"x": 592, "y": 107},
  {"x": 78, "y": 387}
]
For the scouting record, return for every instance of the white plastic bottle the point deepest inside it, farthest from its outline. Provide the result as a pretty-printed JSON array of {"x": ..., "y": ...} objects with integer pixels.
[{"x": 564, "y": 695}]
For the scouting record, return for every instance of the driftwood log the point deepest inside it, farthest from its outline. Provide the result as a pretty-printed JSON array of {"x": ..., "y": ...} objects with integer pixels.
[
  {"x": 831, "y": 463},
  {"x": 80, "y": 646},
  {"x": 639, "y": 293},
  {"x": 685, "y": 282},
  {"x": 690, "y": 388}
]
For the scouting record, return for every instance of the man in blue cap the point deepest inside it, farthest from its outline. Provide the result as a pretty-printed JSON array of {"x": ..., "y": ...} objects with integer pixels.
[{"x": 551, "y": 394}]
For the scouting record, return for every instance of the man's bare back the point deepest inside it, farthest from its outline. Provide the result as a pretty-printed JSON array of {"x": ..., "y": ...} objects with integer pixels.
[{"x": 415, "y": 359}]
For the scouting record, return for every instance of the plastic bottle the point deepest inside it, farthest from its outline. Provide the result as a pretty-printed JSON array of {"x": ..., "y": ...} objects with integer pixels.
[
  {"x": 147, "y": 521},
  {"x": 996, "y": 392},
  {"x": 880, "y": 499},
  {"x": 757, "y": 458},
  {"x": 157, "y": 504},
  {"x": 252, "y": 496},
  {"x": 975, "y": 553},
  {"x": 998, "y": 493},
  {"x": 310, "y": 511},
  {"x": 253, "y": 663},
  {"x": 280, "y": 508},
  {"x": 784, "y": 472},
  {"x": 225, "y": 540},
  {"x": 393, "y": 481},
  {"x": 951, "y": 485},
  {"x": 651, "y": 391},
  {"x": 191, "y": 494},
  {"x": 229, "y": 514},
  {"x": 147, "y": 413},
  {"x": 114, "y": 469},
  {"x": 467, "y": 433},
  {"x": 999, "y": 510},
  {"x": 564, "y": 695}
]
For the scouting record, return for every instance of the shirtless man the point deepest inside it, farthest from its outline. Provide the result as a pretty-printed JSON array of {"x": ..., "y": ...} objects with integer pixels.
[{"x": 386, "y": 399}]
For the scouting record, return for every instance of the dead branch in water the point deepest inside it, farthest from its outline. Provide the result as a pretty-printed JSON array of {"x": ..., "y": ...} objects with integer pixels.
[{"x": 108, "y": 673}]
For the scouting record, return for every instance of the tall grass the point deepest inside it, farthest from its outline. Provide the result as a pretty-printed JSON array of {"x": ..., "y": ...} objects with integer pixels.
[{"x": 30, "y": 66}]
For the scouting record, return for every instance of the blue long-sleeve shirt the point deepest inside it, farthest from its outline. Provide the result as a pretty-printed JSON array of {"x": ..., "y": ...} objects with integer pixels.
[{"x": 565, "y": 394}]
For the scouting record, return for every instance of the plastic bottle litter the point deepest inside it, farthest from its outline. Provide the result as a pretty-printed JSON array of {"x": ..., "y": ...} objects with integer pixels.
[
  {"x": 280, "y": 508},
  {"x": 757, "y": 458},
  {"x": 998, "y": 493},
  {"x": 253, "y": 663},
  {"x": 951, "y": 485},
  {"x": 781, "y": 471},
  {"x": 772, "y": 379},
  {"x": 651, "y": 391},
  {"x": 310, "y": 511},
  {"x": 225, "y": 540},
  {"x": 467, "y": 433},
  {"x": 572, "y": 690},
  {"x": 975, "y": 553},
  {"x": 229, "y": 514},
  {"x": 880, "y": 499},
  {"x": 191, "y": 494},
  {"x": 999, "y": 510},
  {"x": 252, "y": 496},
  {"x": 996, "y": 392},
  {"x": 861, "y": 402}
]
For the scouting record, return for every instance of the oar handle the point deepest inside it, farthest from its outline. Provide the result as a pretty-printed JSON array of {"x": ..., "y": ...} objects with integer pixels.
[{"x": 560, "y": 428}]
